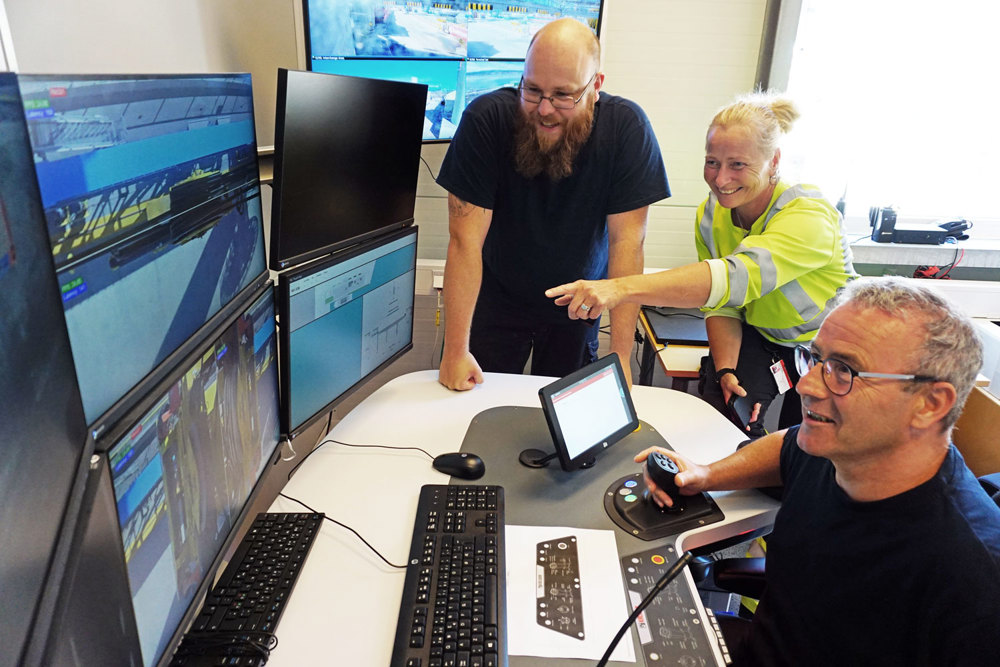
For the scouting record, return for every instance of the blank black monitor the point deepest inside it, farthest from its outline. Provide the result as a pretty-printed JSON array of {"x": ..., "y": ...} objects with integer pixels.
[
  {"x": 346, "y": 158},
  {"x": 43, "y": 434},
  {"x": 342, "y": 320},
  {"x": 152, "y": 207},
  {"x": 184, "y": 465}
]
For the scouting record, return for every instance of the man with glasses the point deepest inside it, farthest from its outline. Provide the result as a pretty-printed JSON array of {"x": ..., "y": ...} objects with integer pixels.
[
  {"x": 548, "y": 181},
  {"x": 885, "y": 550}
]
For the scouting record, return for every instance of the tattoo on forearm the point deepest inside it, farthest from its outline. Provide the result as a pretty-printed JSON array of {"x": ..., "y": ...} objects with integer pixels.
[{"x": 460, "y": 207}]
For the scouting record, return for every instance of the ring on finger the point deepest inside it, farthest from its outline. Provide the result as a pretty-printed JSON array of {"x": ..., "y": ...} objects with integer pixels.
[{"x": 584, "y": 307}]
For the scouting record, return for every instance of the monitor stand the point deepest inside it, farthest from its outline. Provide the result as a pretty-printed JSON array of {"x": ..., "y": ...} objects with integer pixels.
[{"x": 536, "y": 458}]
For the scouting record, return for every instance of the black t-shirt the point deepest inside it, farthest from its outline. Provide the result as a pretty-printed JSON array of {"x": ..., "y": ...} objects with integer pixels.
[
  {"x": 545, "y": 233},
  {"x": 909, "y": 580}
]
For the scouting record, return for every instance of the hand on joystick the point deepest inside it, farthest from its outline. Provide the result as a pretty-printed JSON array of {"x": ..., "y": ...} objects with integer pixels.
[{"x": 661, "y": 470}]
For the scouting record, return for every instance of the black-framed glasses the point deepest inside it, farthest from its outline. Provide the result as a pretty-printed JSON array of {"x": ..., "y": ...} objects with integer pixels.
[
  {"x": 564, "y": 102},
  {"x": 839, "y": 377}
]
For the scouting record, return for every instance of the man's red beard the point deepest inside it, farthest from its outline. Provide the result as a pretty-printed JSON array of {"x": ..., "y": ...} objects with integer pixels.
[{"x": 555, "y": 160}]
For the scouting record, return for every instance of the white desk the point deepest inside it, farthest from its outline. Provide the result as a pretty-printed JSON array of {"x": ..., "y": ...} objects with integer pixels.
[{"x": 344, "y": 607}]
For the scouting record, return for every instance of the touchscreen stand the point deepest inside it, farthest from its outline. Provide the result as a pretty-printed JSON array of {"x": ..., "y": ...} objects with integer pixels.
[
  {"x": 536, "y": 458},
  {"x": 587, "y": 411}
]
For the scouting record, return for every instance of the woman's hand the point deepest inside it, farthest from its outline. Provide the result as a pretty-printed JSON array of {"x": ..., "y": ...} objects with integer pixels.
[{"x": 586, "y": 299}]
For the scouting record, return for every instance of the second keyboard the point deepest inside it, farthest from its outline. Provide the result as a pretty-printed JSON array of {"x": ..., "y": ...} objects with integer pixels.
[{"x": 453, "y": 612}]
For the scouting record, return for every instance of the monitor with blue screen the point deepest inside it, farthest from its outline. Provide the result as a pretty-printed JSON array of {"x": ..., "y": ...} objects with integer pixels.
[
  {"x": 150, "y": 191},
  {"x": 343, "y": 319},
  {"x": 459, "y": 49},
  {"x": 184, "y": 465}
]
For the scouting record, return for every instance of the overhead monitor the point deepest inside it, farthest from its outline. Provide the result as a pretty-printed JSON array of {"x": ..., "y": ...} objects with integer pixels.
[
  {"x": 152, "y": 207},
  {"x": 346, "y": 159},
  {"x": 43, "y": 435},
  {"x": 184, "y": 465},
  {"x": 342, "y": 320},
  {"x": 459, "y": 49}
]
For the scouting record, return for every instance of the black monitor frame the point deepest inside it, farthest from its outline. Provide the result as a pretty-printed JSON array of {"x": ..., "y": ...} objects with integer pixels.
[
  {"x": 45, "y": 446},
  {"x": 352, "y": 178},
  {"x": 290, "y": 430},
  {"x": 557, "y": 419},
  {"x": 140, "y": 406}
]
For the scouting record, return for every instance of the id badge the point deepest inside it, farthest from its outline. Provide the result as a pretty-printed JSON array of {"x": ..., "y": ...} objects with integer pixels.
[{"x": 781, "y": 376}]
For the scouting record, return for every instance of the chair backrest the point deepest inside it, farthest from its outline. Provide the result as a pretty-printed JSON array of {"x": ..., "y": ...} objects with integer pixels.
[
  {"x": 977, "y": 432},
  {"x": 992, "y": 485}
]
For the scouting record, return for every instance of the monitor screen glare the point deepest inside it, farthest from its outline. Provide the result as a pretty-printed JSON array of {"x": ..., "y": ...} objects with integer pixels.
[
  {"x": 344, "y": 319},
  {"x": 186, "y": 465},
  {"x": 152, "y": 206},
  {"x": 459, "y": 49}
]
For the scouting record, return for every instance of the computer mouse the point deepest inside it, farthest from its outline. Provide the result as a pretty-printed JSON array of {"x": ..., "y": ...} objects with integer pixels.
[
  {"x": 662, "y": 469},
  {"x": 461, "y": 465}
]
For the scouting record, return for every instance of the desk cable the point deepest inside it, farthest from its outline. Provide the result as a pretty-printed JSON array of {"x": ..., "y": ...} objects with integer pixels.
[
  {"x": 667, "y": 577},
  {"x": 344, "y": 525},
  {"x": 347, "y": 444}
]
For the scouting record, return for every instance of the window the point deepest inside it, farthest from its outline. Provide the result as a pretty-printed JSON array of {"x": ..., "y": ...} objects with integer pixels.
[{"x": 899, "y": 107}]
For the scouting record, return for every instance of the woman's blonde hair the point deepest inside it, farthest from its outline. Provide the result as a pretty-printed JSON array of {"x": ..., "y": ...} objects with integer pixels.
[{"x": 767, "y": 114}]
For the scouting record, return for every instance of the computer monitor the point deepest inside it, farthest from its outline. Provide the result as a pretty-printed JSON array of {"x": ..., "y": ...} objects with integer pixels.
[
  {"x": 150, "y": 189},
  {"x": 184, "y": 465},
  {"x": 459, "y": 49},
  {"x": 43, "y": 434},
  {"x": 588, "y": 411},
  {"x": 346, "y": 159},
  {"x": 342, "y": 320}
]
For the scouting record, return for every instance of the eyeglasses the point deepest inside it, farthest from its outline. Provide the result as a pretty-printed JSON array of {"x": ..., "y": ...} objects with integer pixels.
[
  {"x": 839, "y": 377},
  {"x": 564, "y": 102}
]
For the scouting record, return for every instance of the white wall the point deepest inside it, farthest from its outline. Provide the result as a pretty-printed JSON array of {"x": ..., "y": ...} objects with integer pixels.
[{"x": 679, "y": 59}]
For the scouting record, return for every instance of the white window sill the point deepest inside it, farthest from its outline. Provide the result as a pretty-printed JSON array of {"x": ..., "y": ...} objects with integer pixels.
[{"x": 979, "y": 253}]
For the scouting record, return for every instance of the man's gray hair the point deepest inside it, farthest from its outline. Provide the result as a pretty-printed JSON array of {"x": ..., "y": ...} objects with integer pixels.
[{"x": 950, "y": 350}]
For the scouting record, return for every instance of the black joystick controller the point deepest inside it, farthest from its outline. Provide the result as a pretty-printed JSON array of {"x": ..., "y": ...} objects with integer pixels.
[{"x": 662, "y": 469}]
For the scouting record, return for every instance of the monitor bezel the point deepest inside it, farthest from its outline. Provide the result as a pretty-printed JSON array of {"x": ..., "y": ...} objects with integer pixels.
[
  {"x": 284, "y": 344},
  {"x": 139, "y": 408},
  {"x": 548, "y": 392},
  {"x": 44, "y": 607},
  {"x": 276, "y": 260}
]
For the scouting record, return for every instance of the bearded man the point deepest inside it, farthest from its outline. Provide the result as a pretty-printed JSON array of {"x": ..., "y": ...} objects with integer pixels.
[{"x": 546, "y": 182}]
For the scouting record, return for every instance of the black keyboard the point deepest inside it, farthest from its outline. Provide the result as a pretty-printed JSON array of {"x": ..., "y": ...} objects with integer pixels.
[
  {"x": 453, "y": 611},
  {"x": 247, "y": 600}
]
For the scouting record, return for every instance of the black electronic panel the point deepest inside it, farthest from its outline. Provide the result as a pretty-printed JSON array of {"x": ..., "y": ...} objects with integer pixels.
[
  {"x": 343, "y": 319},
  {"x": 184, "y": 465},
  {"x": 151, "y": 195},
  {"x": 43, "y": 437},
  {"x": 459, "y": 49},
  {"x": 346, "y": 157}
]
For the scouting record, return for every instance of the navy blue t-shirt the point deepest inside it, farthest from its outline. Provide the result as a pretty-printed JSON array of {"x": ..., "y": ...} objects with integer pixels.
[
  {"x": 545, "y": 233},
  {"x": 910, "y": 580}
]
